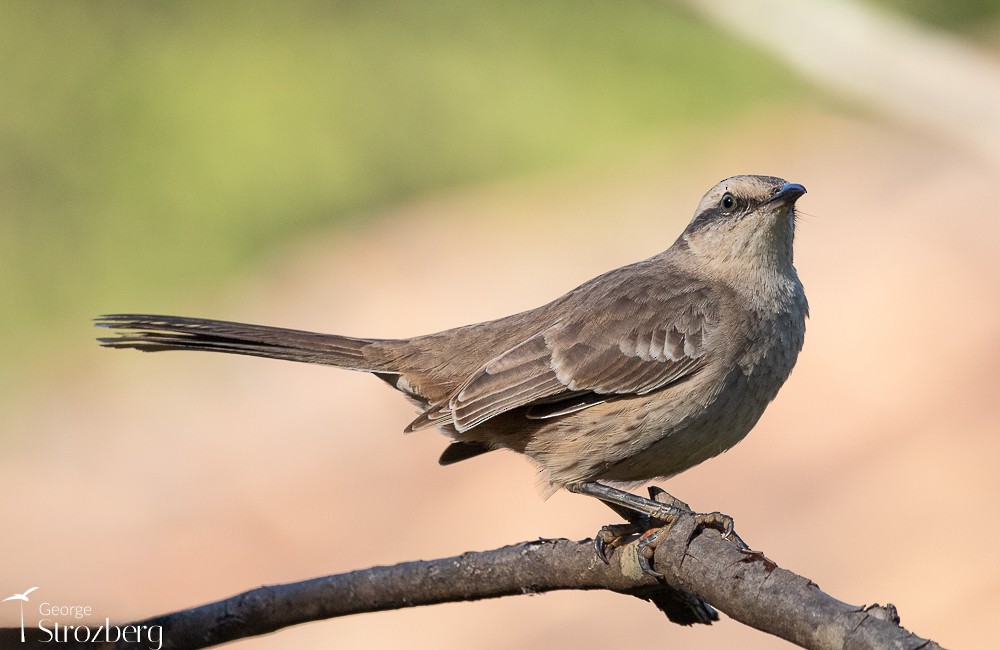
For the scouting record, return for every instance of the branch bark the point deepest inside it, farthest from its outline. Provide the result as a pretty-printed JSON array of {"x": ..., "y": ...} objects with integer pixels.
[{"x": 745, "y": 585}]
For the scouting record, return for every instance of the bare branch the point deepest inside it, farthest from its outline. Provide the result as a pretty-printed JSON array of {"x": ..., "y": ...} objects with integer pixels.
[
  {"x": 745, "y": 585},
  {"x": 526, "y": 568},
  {"x": 748, "y": 587},
  {"x": 752, "y": 589}
]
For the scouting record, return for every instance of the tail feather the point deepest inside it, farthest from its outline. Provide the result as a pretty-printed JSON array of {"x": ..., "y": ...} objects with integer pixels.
[{"x": 151, "y": 333}]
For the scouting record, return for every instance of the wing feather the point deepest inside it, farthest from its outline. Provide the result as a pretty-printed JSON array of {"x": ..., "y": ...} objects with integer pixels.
[
  {"x": 646, "y": 335},
  {"x": 520, "y": 376}
]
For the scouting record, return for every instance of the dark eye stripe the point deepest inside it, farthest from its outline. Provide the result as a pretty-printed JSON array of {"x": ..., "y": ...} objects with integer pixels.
[{"x": 740, "y": 208}]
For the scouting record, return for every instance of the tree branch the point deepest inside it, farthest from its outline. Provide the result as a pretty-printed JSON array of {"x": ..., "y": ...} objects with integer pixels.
[
  {"x": 745, "y": 585},
  {"x": 526, "y": 568}
]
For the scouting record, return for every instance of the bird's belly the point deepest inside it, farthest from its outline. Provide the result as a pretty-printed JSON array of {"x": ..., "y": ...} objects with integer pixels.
[{"x": 646, "y": 437}]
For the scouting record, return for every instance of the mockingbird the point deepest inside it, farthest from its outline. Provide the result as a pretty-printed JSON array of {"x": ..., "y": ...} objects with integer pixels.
[{"x": 639, "y": 373}]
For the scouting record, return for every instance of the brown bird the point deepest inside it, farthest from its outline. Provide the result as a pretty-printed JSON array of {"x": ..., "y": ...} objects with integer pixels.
[{"x": 640, "y": 373}]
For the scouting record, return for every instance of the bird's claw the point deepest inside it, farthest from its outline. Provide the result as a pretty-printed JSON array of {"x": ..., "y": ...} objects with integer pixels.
[
  {"x": 602, "y": 541},
  {"x": 723, "y": 524},
  {"x": 646, "y": 548},
  {"x": 651, "y": 519},
  {"x": 717, "y": 520},
  {"x": 613, "y": 536}
]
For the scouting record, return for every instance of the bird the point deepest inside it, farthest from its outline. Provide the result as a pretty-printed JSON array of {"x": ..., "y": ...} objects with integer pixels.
[{"x": 637, "y": 374}]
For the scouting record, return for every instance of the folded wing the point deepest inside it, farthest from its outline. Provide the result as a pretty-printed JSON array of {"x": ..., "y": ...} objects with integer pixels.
[{"x": 633, "y": 341}]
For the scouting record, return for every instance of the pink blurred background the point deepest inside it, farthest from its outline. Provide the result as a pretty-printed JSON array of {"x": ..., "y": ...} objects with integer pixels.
[{"x": 142, "y": 484}]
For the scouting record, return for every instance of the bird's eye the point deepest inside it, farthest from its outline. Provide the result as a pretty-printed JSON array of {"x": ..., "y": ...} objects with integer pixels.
[{"x": 728, "y": 202}]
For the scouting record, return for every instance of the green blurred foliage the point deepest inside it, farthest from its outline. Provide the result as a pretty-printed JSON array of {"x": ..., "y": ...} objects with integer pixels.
[
  {"x": 974, "y": 16},
  {"x": 148, "y": 148}
]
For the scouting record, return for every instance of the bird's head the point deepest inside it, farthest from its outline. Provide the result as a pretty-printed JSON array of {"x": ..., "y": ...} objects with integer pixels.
[{"x": 743, "y": 226}]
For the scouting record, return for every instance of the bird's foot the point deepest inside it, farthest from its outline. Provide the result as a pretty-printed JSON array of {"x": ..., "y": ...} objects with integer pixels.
[
  {"x": 649, "y": 540},
  {"x": 651, "y": 519},
  {"x": 612, "y": 536}
]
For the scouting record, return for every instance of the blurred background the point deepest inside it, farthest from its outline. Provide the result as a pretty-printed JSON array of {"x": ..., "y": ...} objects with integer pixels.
[{"x": 391, "y": 168}]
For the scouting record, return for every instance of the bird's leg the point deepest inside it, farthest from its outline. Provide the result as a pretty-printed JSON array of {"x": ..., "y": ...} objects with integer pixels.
[
  {"x": 651, "y": 518},
  {"x": 641, "y": 514}
]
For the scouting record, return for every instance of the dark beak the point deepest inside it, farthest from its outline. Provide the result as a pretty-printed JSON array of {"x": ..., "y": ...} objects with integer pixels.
[{"x": 787, "y": 193}]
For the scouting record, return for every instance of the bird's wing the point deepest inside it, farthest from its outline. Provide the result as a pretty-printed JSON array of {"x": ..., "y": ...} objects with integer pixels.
[
  {"x": 519, "y": 376},
  {"x": 636, "y": 338}
]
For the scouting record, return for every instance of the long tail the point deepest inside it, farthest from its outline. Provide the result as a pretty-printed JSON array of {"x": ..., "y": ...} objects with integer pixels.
[{"x": 155, "y": 333}]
